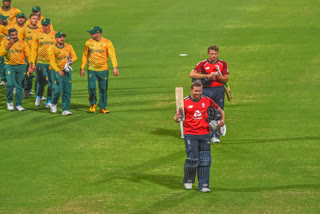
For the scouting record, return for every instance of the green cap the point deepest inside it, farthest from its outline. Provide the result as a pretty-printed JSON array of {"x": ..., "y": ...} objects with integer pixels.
[
  {"x": 46, "y": 21},
  {"x": 95, "y": 29},
  {"x": 5, "y": 0},
  {"x": 2, "y": 17},
  {"x": 59, "y": 34},
  {"x": 36, "y": 8},
  {"x": 20, "y": 15}
]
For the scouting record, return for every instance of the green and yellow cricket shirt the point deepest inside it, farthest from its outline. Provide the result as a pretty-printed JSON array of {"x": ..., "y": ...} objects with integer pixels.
[
  {"x": 16, "y": 54},
  {"x": 59, "y": 56},
  {"x": 40, "y": 45}
]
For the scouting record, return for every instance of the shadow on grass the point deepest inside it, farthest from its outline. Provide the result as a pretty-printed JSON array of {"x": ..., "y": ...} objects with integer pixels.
[
  {"x": 250, "y": 141},
  {"x": 261, "y": 189},
  {"x": 167, "y": 132}
]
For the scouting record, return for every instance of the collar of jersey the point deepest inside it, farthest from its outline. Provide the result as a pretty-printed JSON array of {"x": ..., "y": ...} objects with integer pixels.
[
  {"x": 59, "y": 47},
  {"x": 6, "y": 10},
  {"x": 194, "y": 100},
  {"x": 32, "y": 28},
  {"x": 211, "y": 62}
]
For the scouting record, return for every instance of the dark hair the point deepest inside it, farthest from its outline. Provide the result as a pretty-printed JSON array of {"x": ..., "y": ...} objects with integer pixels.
[
  {"x": 11, "y": 30},
  {"x": 213, "y": 47},
  {"x": 196, "y": 83},
  {"x": 33, "y": 14}
]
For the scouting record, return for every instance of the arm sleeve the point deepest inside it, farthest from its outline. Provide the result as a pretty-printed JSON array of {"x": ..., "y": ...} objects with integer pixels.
[
  {"x": 225, "y": 69},
  {"x": 213, "y": 104},
  {"x": 21, "y": 34},
  {"x": 52, "y": 59},
  {"x": 73, "y": 54},
  {"x": 28, "y": 52},
  {"x": 84, "y": 56},
  {"x": 198, "y": 67},
  {"x": 3, "y": 50},
  {"x": 112, "y": 54},
  {"x": 34, "y": 49},
  {"x": 4, "y": 30}
]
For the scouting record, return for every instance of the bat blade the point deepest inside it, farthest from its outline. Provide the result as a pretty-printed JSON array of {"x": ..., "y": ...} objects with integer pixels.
[
  {"x": 180, "y": 107},
  {"x": 226, "y": 86}
]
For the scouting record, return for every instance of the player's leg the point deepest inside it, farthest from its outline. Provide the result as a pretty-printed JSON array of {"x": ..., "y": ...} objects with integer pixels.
[
  {"x": 192, "y": 161},
  {"x": 10, "y": 77},
  {"x": 103, "y": 84},
  {"x": 204, "y": 164},
  {"x": 56, "y": 91},
  {"x": 66, "y": 93},
  {"x": 2, "y": 72},
  {"x": 27, "y": 83},
  {"x": 41, "y": 81},
  {"x": 50, "y": 85},
  {"x": 92, "y": 85},
  {"x": 19, "y": 76}
]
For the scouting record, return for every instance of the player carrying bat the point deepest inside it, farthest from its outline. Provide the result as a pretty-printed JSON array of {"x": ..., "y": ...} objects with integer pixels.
[
  {"x": 214, "y": 80},
  {"x": 197, "y": 136}
]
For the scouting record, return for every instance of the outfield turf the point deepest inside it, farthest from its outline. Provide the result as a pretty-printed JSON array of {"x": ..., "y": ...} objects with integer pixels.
[{"x": 131, "y": 160}]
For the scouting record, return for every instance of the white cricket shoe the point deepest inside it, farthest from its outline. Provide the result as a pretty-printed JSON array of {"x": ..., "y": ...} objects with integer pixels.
[
  {"x": 3, "y": 83},
  {"x": 43, "y": 98},
  {"x": 53, "y": 108},
  {"x": 66, "y": 113},
  {"x": 188, "y": 185},
  {"x": 48, "y": 104},
  {"x": 10, "y": 106},
  {"x": 20, "y": 108},
  {"x": 38, "y": 101},
  {"x": 30, "y": 93},
  {"x": 214, "y": 139},
  {"x": 205, "y": 189}
]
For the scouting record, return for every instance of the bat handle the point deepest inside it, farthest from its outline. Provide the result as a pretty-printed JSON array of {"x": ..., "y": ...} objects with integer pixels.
[{"x": 181, "y": 129}]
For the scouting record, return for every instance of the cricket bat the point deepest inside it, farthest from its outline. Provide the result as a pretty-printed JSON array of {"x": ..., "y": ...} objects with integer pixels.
[
  {"x": 180, "y": 107},
  {"x": 226, "y": 86}
]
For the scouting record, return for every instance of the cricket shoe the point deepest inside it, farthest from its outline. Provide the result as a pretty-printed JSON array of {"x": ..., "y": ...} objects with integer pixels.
[
  {"x": 104, "y": 111},
  {"x": 205, "y": 189},
  {"x": 3, "y": 83},
  {"x": 214, "y": 139},
  {"x": 92, "y": 108},
  {"x": 43, "y": 98},
  {"x": 38, "y": 101},
  {"x": 48, "y": 104},
  {"x": 10, "y": 106},
  {"x": 30, "y": 93},
  {"x": 66, "y": 113},
  {"x": 20, "y": 108},
  {"x": 53, "y": 108},
  {"x": 188, "y": 185}
]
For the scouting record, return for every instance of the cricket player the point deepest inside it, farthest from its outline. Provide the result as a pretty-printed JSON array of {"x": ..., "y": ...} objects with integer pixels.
[
  {"x": 96, "y": 51},
  {"x": 61, "y": 56},
  {"x": 37, "y": 10},
  {"x": 9, "y": 11},
  {"x": 3, "y": 35},
  {"x": 26, "y": 34},
  {"x": 15, "y": 51},
  {"x": 39, "y": 49},
  {"x": 213, "y": 88},
  {"x": 197, "y": 137},
  {"x": 20, "y": 23}
]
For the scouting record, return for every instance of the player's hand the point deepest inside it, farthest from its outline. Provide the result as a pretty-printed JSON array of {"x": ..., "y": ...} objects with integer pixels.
[
  {"x": 221, "y": 123},
  {"x": 33, "y": 67},
  {"x": 211, "y": 75},
  {"x": 115, "y": 71},
  {"x": 61, "y": 73},
  {"x": 82, "y": 73},
  {"x": 30, "y": 69},
  {"x": 11, "y": 42},
  {"x": 178, "y": 116}
]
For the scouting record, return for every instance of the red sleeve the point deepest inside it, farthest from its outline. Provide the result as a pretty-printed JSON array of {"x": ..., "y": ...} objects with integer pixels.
[
  {"x": 213, "y": 104},
  {"x": 225, "y": 69},
  {"x": 199, "y": 66}
]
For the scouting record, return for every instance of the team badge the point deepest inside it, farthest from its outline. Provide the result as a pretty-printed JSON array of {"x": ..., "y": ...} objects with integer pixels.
[
  {"x": 9, "y": 72},
  {"x": 70, "y": 81},
  {"x": 89, "y": 75}
]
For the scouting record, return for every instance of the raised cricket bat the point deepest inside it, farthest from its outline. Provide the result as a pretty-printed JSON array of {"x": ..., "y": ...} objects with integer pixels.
[
  {"x": 180, "y": 107},
  {"x": 226, "y": 86}
]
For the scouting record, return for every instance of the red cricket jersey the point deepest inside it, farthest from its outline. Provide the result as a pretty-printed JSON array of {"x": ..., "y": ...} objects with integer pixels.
[
  {"x": 206, "y": 67},
  {"x": 196, "y": 114}
]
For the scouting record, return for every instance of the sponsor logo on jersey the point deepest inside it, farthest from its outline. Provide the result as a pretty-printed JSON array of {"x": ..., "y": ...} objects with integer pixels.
[
  {"x": 197, "y": 115},
  {"x": 207, "y": 68},
  {"x": 190, "y": 106}
]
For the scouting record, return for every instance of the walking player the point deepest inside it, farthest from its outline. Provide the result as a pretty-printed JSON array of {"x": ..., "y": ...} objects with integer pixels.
[
  {"x": 15, "y": 51},
  {"x": 197, "y": 137},
  {"x": 214, "y": 88},
  {"x": 96, "y": 52},
  {"x": 61, "y": 57}
]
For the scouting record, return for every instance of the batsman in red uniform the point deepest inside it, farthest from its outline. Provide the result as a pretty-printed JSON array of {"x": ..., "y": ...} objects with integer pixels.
[
  {"x": 197, "y": 137},
  {"x": 208, "y": 71}
]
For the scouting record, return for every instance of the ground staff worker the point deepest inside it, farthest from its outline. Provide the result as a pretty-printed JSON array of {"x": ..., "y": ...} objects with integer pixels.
[
  {"x": 60, "y": 55},
  {"x": 214, "y": 87},
  {"x": 15, "y": 51},
  {"x": 197, "y": 137},
  {"x": 96, "y": 52},
  {"x": 40, "y": 44}
]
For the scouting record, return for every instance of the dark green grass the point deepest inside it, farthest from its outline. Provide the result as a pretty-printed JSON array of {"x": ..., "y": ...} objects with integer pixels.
[{"x": 131, "y": 160}]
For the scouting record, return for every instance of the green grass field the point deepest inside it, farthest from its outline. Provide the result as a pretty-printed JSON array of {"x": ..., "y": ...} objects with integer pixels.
[{"x": 131, "y": 160}]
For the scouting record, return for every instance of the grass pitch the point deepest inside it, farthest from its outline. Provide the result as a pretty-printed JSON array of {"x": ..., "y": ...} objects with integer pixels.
[{"x": 131, "y": 161}]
